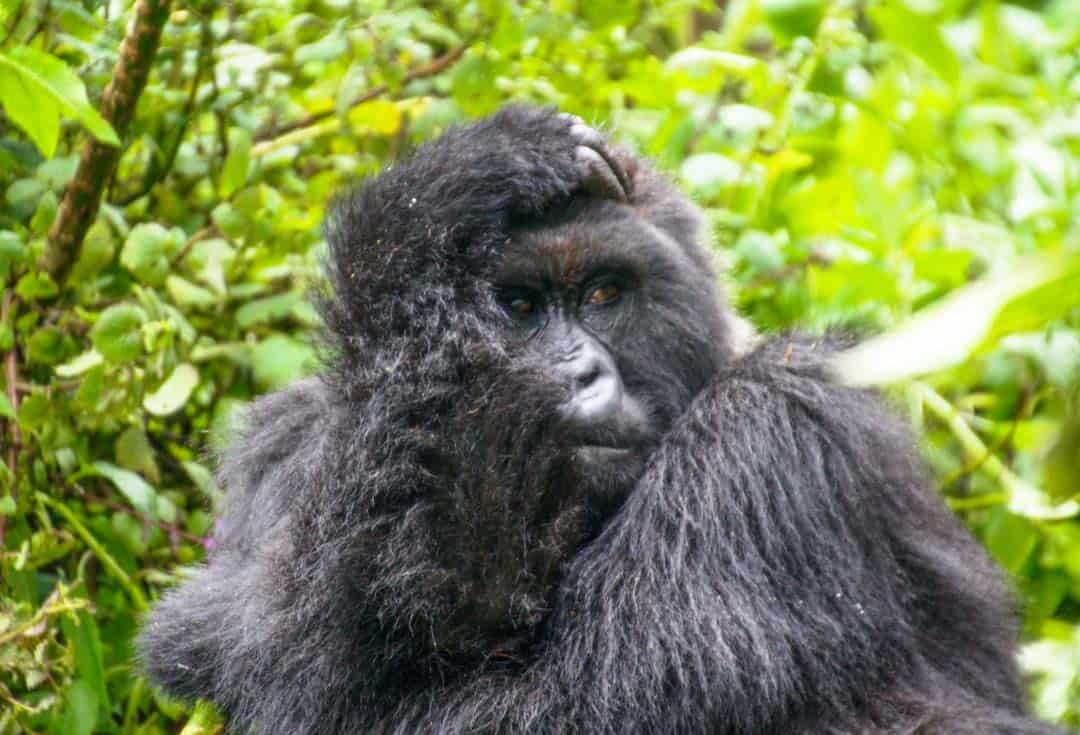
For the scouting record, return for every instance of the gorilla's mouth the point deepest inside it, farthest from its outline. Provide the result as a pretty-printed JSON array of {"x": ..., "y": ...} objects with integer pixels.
[{"x": 602, "y": 452}]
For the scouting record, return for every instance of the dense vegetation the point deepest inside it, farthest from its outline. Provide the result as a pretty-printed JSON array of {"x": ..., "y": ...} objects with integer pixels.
[{"x": 908, "y": 168}]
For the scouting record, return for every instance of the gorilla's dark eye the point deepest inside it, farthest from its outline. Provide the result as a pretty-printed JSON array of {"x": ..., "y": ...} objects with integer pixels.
[
  {"x": 522, "y": 307},
  {"x": 603, "y": 295}
]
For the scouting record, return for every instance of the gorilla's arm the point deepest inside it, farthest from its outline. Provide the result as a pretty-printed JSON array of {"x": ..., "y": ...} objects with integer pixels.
[{"x": 782, "y": 560}]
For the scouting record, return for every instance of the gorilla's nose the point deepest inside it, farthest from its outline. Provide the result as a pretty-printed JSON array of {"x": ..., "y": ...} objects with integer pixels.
[{"x": 597, "y": 390}]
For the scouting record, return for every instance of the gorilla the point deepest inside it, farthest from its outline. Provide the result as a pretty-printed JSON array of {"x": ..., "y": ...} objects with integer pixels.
[{"x": 539, "y": 487}]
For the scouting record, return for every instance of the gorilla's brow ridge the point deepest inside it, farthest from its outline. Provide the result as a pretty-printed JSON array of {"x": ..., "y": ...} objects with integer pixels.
[{"x": 566, "y": 261}]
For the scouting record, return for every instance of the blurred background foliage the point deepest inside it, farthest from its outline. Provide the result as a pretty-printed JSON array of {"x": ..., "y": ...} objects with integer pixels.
[{"x": 860, "y": 163}]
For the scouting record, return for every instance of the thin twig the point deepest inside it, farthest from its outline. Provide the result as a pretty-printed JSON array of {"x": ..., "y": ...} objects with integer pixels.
[
  {"x": 438, "y": 65},
  {"x": 138, "y": 600}
]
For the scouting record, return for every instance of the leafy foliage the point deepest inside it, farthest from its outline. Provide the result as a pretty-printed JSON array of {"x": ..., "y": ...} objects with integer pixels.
[{"x": 860, "y": 164}]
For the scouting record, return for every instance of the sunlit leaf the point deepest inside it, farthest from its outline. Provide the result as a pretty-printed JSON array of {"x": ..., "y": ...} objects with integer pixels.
[
  {"x": 139, "y": 493},
  {"x": 171, "y": 395},
  {"x": 117, "y": 335},
  {"x": 37, "y": 88}
]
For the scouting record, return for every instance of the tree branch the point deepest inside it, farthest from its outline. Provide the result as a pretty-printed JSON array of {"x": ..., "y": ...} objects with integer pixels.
[{"x": 83, "y": 195}]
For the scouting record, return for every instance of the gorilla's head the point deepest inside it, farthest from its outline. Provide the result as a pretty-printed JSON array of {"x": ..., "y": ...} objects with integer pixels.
[{"x": 522, "y": 372}]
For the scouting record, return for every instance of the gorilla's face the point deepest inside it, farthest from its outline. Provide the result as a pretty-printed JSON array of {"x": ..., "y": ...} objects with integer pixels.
[{"x": 622, "y": 316}]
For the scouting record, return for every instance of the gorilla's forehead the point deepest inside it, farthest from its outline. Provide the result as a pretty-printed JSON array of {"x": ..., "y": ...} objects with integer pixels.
[{"x": 570, "y": 246}]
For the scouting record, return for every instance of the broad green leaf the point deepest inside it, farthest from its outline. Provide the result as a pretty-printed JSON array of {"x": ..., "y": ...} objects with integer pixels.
[
  {"x": 12, "y": 252},
  {"x": 37, "y": 88},
  {"x": 697, "y": 59},
  {"x": 80, "y": 364},
  {"x": 117, "y": 335},
  {"x": 36, "y": 287},
  {"x": 210, "y": 258},
  {"x": 279, "y": 360},
  {"x": 1061, "y": 471},
  {"x": 46, "y": 346},
  {"x": 37, "y": 113},
  {"x": 34, "y": 411},
  {"x": 331, "y": 46},
  {"x": 186, "y": 294},
  {"x": 133, "y": 452},
  {"x": 235, "y": 170},
  {"x": 147, "y": 251},
  {"x": 262, "y": 311},
  {"x": 381, "y": 117},
  {"x": 794, "y": 17},
  {"x": 138, "y": 491},
  {"x": 7, "y": 411},
  {"x": 96, "y": 253},
  {"x": 81, "y": 631},
  {"x": 204, "y": 480},
  {"x": 917, "y": 34},
  {"x": 80, "y": 708},
  {"x": 171, "y": 396}
]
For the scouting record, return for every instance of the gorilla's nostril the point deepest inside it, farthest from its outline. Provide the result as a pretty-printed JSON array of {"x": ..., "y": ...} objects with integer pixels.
[{"x": 589, "y": 375}]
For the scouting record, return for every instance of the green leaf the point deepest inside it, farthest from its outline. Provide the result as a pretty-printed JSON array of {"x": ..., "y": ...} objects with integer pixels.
[
  {"x": 117, "y": 334},
  {"x": 138, "y": 491},
  {"x": 187, "y": 294},
  {"x": 794, "y": 17},
  {"x": 920, "y": 35},
  {"x": 36, "y": 287},
  {"x": 209, "y": 259},
  {"x": 7, "y": 505},
  {"x": 46, "y": 346},
  {"x": 96, "y": 252},
  {"x": 34, "y": 412},
  {"x": 271, "y": 308},
  {"x": 235, "y": 170},
  {"x": 12, "y": 252},
  {"x": 171, "y": 396},
  {"x": 279, "y": 360},
  {"x": 133, "y": 452},
  {"x": 146, "y": 252},
  {"x": 7, "y": 411},
  {"x": 229, "y": 219},
  {"x": 82, "y": 632},
  {"x": 79, "y": 365},
  {"x": 331, "y": 46},
  {"x": 36, "y": 88},
  {"x": 204, "y": 480},
  {"x": 80, "y": 709}
]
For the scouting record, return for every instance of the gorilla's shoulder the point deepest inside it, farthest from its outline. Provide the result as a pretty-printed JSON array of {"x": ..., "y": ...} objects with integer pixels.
[
  {"x": 275, "y": 442},
  {"x": 792, "y": 354},
  {"x": 268, "y": 429}
]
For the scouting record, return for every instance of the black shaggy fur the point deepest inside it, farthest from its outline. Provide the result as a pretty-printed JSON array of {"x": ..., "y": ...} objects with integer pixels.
[{"x": 407, "y": 546}]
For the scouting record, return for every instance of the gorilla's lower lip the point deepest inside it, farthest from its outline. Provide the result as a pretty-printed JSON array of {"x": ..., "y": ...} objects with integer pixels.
[{"x": 602, "y": 452}]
